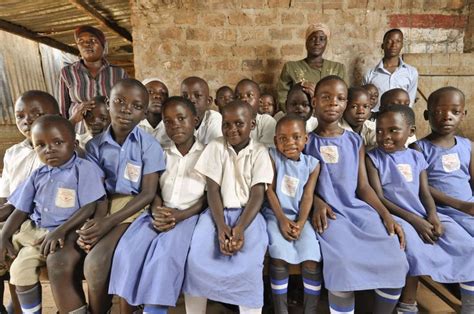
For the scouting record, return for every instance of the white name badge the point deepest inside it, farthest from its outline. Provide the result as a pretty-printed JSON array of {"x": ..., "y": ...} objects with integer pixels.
[
  {"x": 132, "y": 172},
  {"x": 65, "y": 198},
  {"x": 405, "y": 170},
  {"x": 330, "y": 154},
  {"x": 289, "y": 185},
  {"x": 451, "y": 162}
]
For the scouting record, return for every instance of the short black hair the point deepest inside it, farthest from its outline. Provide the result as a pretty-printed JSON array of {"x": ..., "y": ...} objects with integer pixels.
[
  {"x": 407, "y": 113},
  {"x": 44, "y": 98},
  {"x": 181, "y": 100},
  {"x": 435, "y": 96},
  {"x": 101, "y": 100},
  {"x": 291, "y": 118},
  {"x": 248, "y": 81},
  {"x": 385, "y": 98},
  {"x": 326, "y": 79},
  {"x": 224, "y": 88},
  {"x": 298, "y": 87},
  {"x": 199, "y": 80},
  {"x": 393, "y": 30},
  {"x": 353, "y": 91},
  {"x": 237, "y": 103},
  {"x": 129, "y": 82},
  {"x": 56, "y": 120}
]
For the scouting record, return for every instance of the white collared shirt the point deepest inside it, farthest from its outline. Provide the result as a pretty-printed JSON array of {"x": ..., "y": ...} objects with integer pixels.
[
  {"x": 159, "y": 133},
  {"x": 311, "y": 123},
  {"x": 83, "y": 139},
  {"x": 235, "y": 173},
  {"x": 264, "y": 130},
  {"x": 367, "y": 133},
  {"x": 405, "y": 77}
]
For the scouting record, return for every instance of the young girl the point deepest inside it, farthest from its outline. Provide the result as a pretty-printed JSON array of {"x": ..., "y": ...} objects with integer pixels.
[
  {"x": 358, "y": 245},
  {"x": 132, "y": 161},
  {"x": 436, "y": 245},
  {"x": 225, "y": 260},
  {"x": 148, "y": 265},
  {"x": 267, "y": 104},
  {"x": 290, "y": 196},
  {"x": 451, "y": 168},
  {"x": 96, "y": 119},
  {"x": 298, "y": 103}
]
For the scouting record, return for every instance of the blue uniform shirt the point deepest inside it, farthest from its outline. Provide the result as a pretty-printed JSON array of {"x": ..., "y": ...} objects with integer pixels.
[
  {"x": 51, "y": 195},
  {"x": 124, "y": 166}
]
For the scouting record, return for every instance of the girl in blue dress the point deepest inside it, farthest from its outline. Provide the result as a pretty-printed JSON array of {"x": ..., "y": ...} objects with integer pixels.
[
  {"x": 358, "y": 243},
  {"x": 436, "y": 245},
  {"x": 292, "y": 239},
  {"x": 450, "y": 169}
]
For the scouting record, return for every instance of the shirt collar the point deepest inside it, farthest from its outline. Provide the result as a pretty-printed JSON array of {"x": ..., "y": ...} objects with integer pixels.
[
  {"x": 106, "y": 137},
  {"x": 197, "y": 146},
  {"x": 245, "y": 151},
  {"x": 400, "y": 62},
  {"x": 27, "y": 144},
  {"x": 68, "y": 165},
  {"x": 80, "y": 64}
]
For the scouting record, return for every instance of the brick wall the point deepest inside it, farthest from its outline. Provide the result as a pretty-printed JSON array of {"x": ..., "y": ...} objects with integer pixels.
[{"x": 226, "y": 40}]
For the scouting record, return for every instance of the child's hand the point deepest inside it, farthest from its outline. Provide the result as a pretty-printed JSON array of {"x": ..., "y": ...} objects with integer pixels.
[
  {"x": 308, "y": 87},
  {"x": 5, "y": 211},
  {"x": 320, "y": 215},
  {"x": 297, "y": 231},
  {"x": 93, "y": 230},
  {"x": 224, "y": 236},
  {"x": 425, "y": 229},
  {"x": 165, "y": 219},
  {"x": 394, "y": 228},
  {"x": 468, "y": 208},
  {"x": 6, "y": 249},
  {"x": 237, "y": 239},
  {"x": 287, "y": 228},
  {"x": 79, "y": 111},
  {"x": 438, "y": 229},
  {"x": 51, "y": 242}
]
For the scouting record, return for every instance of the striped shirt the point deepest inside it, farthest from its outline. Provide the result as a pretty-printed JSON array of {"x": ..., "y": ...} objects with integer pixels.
[{"x": 77, "y": 85}]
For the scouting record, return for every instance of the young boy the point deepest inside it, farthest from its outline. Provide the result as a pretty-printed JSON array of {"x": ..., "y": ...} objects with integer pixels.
[
  {"x": 132, "y": 160},
  {"x": 373, "y": 93},
  {"x": 225, "y": 260},
  {"x": 356, "y": 116},
  {"x": 392, "y": 72},
  {"x": 224, "y": 95},
  {"x": 50, "y": 204},
  {"x": 267, "y": 104},
  {"x": 249, "y": 91},
  {"x": 97, "y": 119}
]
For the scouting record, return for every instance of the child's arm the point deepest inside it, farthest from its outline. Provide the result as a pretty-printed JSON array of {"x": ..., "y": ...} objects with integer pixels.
[
  {"x": 12, "y": 224},
  {"x": 250, "y": 211},
  {"x": 285, "y": 224},
  {"x": 5, "y": 211},
  {"x": 367, "y": 194},
  {"x": 424, "y": 228},
  {"x": 167, "y": 218},
  {"x": 217, "y": 210},
  {"x": 321, "y": 211},
  {"x": 429, "y": 204},
  {"x": 307, "y": 199}
]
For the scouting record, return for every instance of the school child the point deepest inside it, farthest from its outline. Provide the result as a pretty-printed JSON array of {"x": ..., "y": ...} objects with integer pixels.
[
  {"x": 157, "y": 95},
  {"x": 392, "y": 72},
  {"x": 267, "y": 105},
  {"x": 397, "y": 96},
  {"x": 292, "y": 239},
  {"x": 225, "y": 261},
  {"x": 436, "y": 245},
  {"x": 148, "y": 265},
  {"x": 224, "y": 95},
  {"x": 356, "y": 116},
  {"x": 96, "y": 119},
  {"x": 131, "y": 160},
  {"x": 49, "y": 206},
  {"x": 359, "y": 248},
  {"x": 373, "y": 94},
  {"x": 249, "y": 91},
  {"x": 21, "y": 160}
]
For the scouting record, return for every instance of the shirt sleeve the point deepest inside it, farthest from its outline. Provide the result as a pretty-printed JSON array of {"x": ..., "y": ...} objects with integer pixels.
[
  {"x": 153, "y": 158},
  {"x": 268, "y": 130},
  {"x": 413, "y": 87},
  {"x": 90, "y": 185},
  {"x": 283, "y": 86},
  {"x": 92, "y": 153},
  {"x": 5, "y": 179},
  {"x": 262, "y": 170},
  {"x": 210, "y": 163},
  {"x": 64, "y": 99},
  {"x": 214, "y": 127},
  {"x": 23, "y": 197}
]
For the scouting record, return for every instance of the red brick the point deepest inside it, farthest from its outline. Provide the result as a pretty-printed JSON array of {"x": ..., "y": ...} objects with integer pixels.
[
  {"x": 266, "y": 50},
  {"x": 279, "y": 3},
  {"x": 252, "y": 65},
  {"x": 223, "y": 4},
  {"x": 315, "y": 17},
  {"x": 164, "y": 48},
  {"x": 281, "y": 33},
  {"x": 221, "y": 34},
  {"x": 186, "y": 49},
  {"x": 292, "y": 50},
  {"x": 171, "y": 32},
  {"x": 216, "y": 50},
  {"x": 307, "y": 4},
  {"x": 240, "y": 19},
  {"x": 226, "y": 65},
  {"x": 455, "y": 4},
  {"x": 173, "y": 65},
  {"x": 265, "y": 78},
  {"x": 213, "y": 19},
  {"x": 243, "y": 51},
  {"x": 201, "y": 34},
  {"x": 185, "y": 17},
  {"x": 275, "y": 63},
  {"x": 253, "y": 4},
  {"x": 197, "y": 64},
  {"x": 266, "y": 19},
  {"x": 246, "y": 34},
  {"x": 427, "y": 21},
  {"x": 357, "y": 4},
  {"x": 293, "y": 18},
  {"x": 333, "y": 4}
]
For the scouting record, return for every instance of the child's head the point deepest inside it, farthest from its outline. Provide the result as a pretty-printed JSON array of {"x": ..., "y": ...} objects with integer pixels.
[
  {"x": 197, "y": 91},
  {"x": 396, "y": 96},
  {"x": 98, "y": 118},
  {"x": 267, "y": 104},
  {"x": 32, "y": 105},
  {"x": 330, "y": 99},
  {"x": 157, "y": 94},
  {"x": 373, "y": 93},
  {"x": 298, "y": 102},
  {"x": 392, "y": 43},
  {"x": 224, "y": 95},
  {"x": 127, "y": 105},
  {"x": 290, "y": 136},
  {"x": 54, "y": 139},
  {"x": 180, "y": 119},
  {"x": 445, "y": 110},
  {"x": 358, "y": 107},
  {"x": 248, "y": 91},
  {"x": 238, "y": 120},
  {"x": 395, "y": 124}
]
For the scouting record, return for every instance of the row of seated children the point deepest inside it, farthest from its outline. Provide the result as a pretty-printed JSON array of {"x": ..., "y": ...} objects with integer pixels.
[{"x": 228, "y": 241}]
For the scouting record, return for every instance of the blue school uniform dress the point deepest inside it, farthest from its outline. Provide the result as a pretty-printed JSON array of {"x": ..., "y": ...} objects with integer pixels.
[
  {"x": 291, "y": 178},
  {"x": 357, "y": 251},
  {"x": 449, "y": 260},
  {"x": 148, "y": 265},
  {"x": 51, "y": 195},
  {"x": 235, "y": 279},
  {"x": 124, "y": 166},
  {"x": 448, "y": 172}
]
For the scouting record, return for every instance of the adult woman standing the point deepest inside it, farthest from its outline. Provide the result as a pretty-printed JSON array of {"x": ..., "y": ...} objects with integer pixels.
[
  {"x": 89, "y": 77},
  {"x": 311, "y": 69}
]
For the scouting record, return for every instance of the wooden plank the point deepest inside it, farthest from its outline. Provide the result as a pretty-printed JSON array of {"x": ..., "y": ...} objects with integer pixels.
[
  {"x": 26, "y": 33},
  {"x": 442, "y": 292},
  {"x": 86, "y": 8}
]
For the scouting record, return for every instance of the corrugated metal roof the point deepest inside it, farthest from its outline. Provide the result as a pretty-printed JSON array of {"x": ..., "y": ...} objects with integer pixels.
[{"x": 57, "y": 19}]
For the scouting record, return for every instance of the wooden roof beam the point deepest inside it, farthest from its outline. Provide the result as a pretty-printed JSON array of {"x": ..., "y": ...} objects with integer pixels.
[
  {"x": 89, "y": 10},
  {"x": 26, "y": 33}
]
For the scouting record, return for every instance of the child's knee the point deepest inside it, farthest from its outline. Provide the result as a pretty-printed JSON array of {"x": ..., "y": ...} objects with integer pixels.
[
  {"x": 310, "y": 266},
  {"x": 60, "y": 265},
  {"x": 278, "y": 262}
]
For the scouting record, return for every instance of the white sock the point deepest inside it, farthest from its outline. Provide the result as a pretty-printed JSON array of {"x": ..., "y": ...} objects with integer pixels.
[
  {"x": 248, "y": 310},
  {"x": 195, "y": 305}
]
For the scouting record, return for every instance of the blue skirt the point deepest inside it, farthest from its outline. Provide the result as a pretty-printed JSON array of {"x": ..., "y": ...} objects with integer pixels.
[
  {"x": 233, "y": 279},
  {"x": 306, "y": 248},
  {"x": 148, "y": 266}
]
